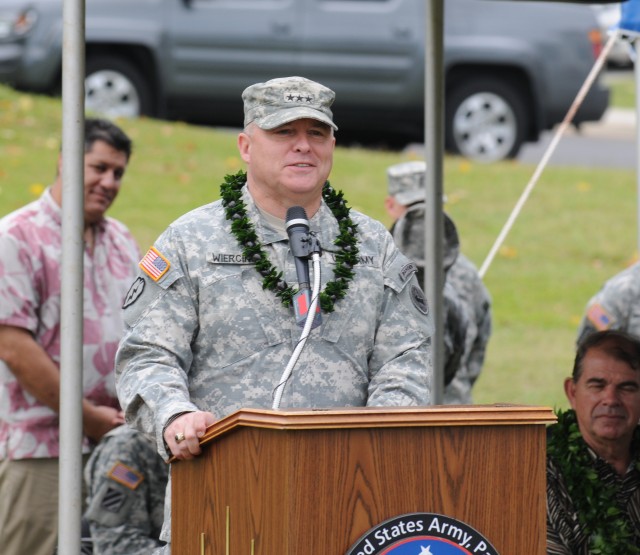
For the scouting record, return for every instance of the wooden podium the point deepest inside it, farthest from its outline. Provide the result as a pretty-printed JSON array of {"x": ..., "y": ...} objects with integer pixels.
[{"x": 313, "y": 482}]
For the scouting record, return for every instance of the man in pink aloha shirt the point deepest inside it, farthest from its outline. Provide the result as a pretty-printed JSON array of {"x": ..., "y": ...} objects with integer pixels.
[{"x": 30, "y": 280}]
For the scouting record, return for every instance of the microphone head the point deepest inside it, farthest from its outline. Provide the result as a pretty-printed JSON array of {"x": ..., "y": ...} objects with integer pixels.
[{"x": 296, "y": 217}]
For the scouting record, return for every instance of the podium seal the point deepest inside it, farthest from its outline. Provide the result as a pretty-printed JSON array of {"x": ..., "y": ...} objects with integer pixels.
[{"x": 422, "y": 534}]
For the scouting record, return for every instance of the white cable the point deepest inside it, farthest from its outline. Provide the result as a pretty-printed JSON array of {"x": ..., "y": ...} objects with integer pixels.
[
  {"x": 311, "y": 314},
  {"x": 550, "y": 148}
]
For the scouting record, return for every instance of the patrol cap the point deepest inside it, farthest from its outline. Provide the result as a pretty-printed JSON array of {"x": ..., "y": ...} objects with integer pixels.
[
  {"x": 406, "y": 181},
  {"x": 287, "y": 99}
]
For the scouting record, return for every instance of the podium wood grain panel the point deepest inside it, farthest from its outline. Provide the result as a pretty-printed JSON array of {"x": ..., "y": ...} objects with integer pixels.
[{"x": 312, "y": 491}]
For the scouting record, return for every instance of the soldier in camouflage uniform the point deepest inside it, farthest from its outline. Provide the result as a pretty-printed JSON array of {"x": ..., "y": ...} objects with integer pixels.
[
  {"x": 406, "y": 202},
  {"x": 467, "y": 304},
  {"x": 466, "y": 280},
  {"x": 616, "y": 306},
  {"x": 126, "y": 481},
  {"x": 208, "y": 335}
]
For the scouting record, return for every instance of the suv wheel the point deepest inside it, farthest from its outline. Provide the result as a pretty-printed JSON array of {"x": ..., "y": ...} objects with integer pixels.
[
  {"x": 114, "y": 88},
  {"x": 485, "y": 120}
]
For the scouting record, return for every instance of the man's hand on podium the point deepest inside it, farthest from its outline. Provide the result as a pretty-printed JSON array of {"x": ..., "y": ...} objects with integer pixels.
[{"x": 183, "y": 434}]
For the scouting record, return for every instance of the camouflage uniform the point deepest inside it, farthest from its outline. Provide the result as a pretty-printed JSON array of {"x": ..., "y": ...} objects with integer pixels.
[
  {"x": 126, "y": 482},
  {"x": 207, "y": 336},
  {"x": 616, "y": 306},
  {"x": 466, "y": 301},
  {"x": 408, "y": 234},
  {"x": 465, "y": 279}
]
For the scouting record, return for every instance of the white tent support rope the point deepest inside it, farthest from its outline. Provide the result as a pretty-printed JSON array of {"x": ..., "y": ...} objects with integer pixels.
[{"x": 550, "y": 149}]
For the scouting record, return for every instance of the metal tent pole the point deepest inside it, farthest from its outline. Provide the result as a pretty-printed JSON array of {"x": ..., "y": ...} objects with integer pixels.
[
  {"x": 434, "y": 154},
  {"x": 72, "y": 279}
]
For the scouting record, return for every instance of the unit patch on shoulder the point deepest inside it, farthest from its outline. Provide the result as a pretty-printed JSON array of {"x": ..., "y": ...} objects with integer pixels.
[
  {"x": 125, "y": 475},
  {"x": 419, "y": 300},
  {"x": 113, "y": 500},
  {"x": 599, "y": 317},
  {"x": 154, "y": 264},
  {"x": 136, "y": 289}
]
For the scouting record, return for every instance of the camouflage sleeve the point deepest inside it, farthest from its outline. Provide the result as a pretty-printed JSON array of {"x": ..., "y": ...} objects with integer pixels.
[
  {"x": 458, "y": 392},
  {"x": 599, "y": 314},
  {"x": 615, "y": 306},
  {"x": 126, "y": 482},
  {"x": 465, "y": 279},
  {"x": 155, "y": 352},
  {"x": 400, "y": 366},
  {"x": 455, "y": 332},
  {"x": 116, "y": 540},
  {"x": 477, "y": 352}
]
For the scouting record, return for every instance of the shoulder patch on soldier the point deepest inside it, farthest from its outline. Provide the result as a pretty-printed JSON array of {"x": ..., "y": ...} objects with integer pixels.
[
  {"x": 154, "y": 264},
  {"x": 113, "y": 500},
  {"x": 419, "y": 300},
  {"x": 136, "y": 289},
  {"x": 125, "y": 475},
  {"x": 599, "y": 317},
  {"x": 407, "y": 270}
]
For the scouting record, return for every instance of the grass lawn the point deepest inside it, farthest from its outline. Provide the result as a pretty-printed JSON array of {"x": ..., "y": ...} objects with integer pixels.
[
  {"x": 623, "y": 88},
  {"x": 577, "y": 229}
]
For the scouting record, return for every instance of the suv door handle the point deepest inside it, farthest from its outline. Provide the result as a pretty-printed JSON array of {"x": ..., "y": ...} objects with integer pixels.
[
  {"x": 402, "y": 33},
  {"x": 279, "y": 28}
]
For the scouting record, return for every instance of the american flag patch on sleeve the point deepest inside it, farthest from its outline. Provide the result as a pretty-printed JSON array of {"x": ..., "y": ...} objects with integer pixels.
[
  {"x": 599, "y": 317},
  {"x": 154, "y": 264},
  {"x": 125, "y": 475}
]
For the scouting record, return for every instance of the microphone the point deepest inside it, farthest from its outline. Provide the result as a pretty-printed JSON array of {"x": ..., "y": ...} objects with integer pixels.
[
  {"x": 303, "y": 246},
  {"x": 297, "y": 226}
]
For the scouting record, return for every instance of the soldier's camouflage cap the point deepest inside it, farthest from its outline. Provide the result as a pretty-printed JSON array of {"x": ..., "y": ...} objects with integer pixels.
[
  {"x": 406, "y": 181},
  {"x": 286, "y": 99}
]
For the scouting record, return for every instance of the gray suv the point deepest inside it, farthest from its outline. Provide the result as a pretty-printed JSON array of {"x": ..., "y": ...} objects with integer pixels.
[{"x": 512, "y": 68}]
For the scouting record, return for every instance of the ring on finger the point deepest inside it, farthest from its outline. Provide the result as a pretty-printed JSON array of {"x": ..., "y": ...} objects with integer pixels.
[{"x": 179, "y": 437}]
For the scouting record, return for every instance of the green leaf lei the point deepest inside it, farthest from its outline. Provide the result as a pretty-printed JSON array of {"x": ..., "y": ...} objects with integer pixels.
[
  {"x": 594, "y": 501},
  {"x": 244, "y": 231}
]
